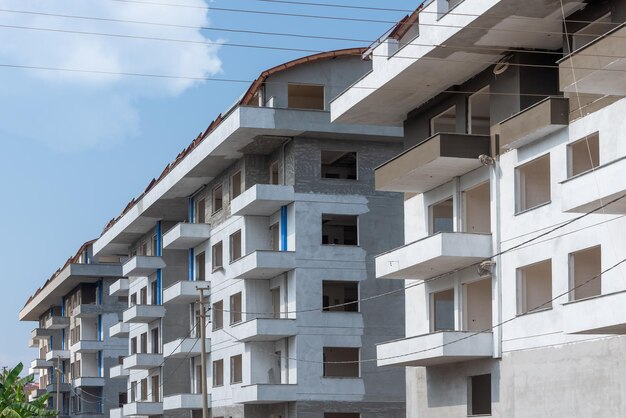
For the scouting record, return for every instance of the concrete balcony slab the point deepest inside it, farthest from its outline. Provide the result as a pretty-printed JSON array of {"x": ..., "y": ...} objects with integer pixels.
[
  {"x": 437, "y": 348},
  {"x": 601, "y": 185},
  {"x": 33, "y": 343},
  {"x": 119, "y": 330},
  {"x": 87, "y": 346},
  {"x": 143, "y": 361},
  {"x": 40, "y": 334},
  {"x": 262, "y": 200},
  {"x": 143, "y": 408},
  {"x": 183, "y": 347},
  {"x": 39, "y": 363},
  {"x": 57, "y": 322},
  {"x": 87, "y": 310},
  {"x": 184, "y": 402},
  {"x": 142, "y": 266},
  {"x": 186, "y": 235},
  {"x": 262, "y": 264},
  {"x": 261, "y": 394},
  {"x": 64, "y": 387},
  {"x": 118, "y": 372},
  {"x": 143, "y": 314},
  {"x": 88, "y": 381},
  {"x": 57, "y": 354},
  {"x": 431, "y": 163},
  {"x": 603, "y": 314},
  {"x": 119, "y": 288},
  {"x": 264, "y": 329},
  {"x": 183, "y": 292},
  {"x": 433, "y": 255},
  {"x": 116, "y": 413}
]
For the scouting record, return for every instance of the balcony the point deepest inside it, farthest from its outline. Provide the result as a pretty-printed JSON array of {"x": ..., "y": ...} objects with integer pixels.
[
  {"x": 39, "y": 363},
  {"x": 86, "y": 381},
  {"x": 40, "y": 334},
  {"x": 57, "y": 322},
  {"x": 264, "y": 329},
  {"x": 263, "y": 264},
  {"x": 184, "y": 347},
  {"x": 64, "y": 387},
  {"x": 118, "y": 372},
  {"x": 184, "y": 402},
  {"x": 598, "y": 66},
  {"x": 433, "y": 255},
  {"x": 534, "y": 122},
  {"x": 185, "y": 235},
  {"x": 142, "y": 266},
  {"x": 262, "y": 200},
  {"x": 265, "y": 393},
  {"x": 143, "y": 314},
  {"x": 119, "y": 288},
  {"x": 116, "y": 413},
  {"x": 431, "y": 163},
  {"x": 436, "y": 348},
  {"x": 57, "y": 354},
  {"x": 603, "y": 314},
  {"x": 592, "y": 189},
  {"x": 86, "y": 346},
  {"x": 143, "y": 361},
  {"x": 143, "y": 408},
  {"x": 183, "y": 292},
  {"x": 33, "y": 343},
  {"x": 119, "y": 330},
  {"x": 87, "y": 310}
]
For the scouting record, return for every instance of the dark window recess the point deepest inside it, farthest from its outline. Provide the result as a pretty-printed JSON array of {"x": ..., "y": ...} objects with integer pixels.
[
  {"x": 341, "y": 362},
  {"x": 479, "y": 395},
  {"x": 339, "y": 165},
  {"x": 339, "y": 293},
  {"x": 305, "y": 96},
  {"x": 340, "y": 230}
]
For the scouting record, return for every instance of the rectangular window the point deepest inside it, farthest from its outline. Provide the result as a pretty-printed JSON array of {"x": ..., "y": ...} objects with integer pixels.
[
  {"x": 235, "y": 308},
  {"x": 200, "y": 267},
  {"x": 339, "y": 229},
  {"x": 216, "y": 256},
  {"x": 154, "y": 291},
  {"x": 275, "y": 173},
  {"x": 275, "y": 236},
  {"x": 276, "y": 305},
  {"x": 444, "y": 122},
  {"x": 144, "y": 342},
  {"x": 235, "y": 185},
  {"x": 154, "y": 337},
  {"x": 477, "y": 305},
  {"x": 143, "y": 293},
  {"x": 133, "y": 391},
  {"x": 442, "y": 311},
  {"x": 535, "y": 287},
  {"x": 218, "y": 199},
  {"x": 200, "y": 211},
  {"x": 584, "y": 154},
  {"x": 442, "y": 216},
  {"x": 218, "y": 315},
  {"x": 236, "y": 369},
  {"x": 341, "y": 362},
  {"x": 155, "y": 388},
  {"x": 338, "y": 293},
  {"x": 585, "y": 267},
  {"x": 144, "y": 389},
  {"x": 305, "y": 96},
  {"x": 479, "y": 113},
  {"x": 218, "y": 373},
  {"x": 154, "y": 243},
  {"x": 533, "y": 183},
  {"x": 133, "y": 299},
  {"x": 477, "y": 209},
  {"x": 339, "y": 165},
  {"x": 235, "y": 246},
  {"x": 143, "y": 248},
  {"x": 479, "y": 395},
  {"x": 198, "y": 379},
  {"x": 133, "y": 346}
]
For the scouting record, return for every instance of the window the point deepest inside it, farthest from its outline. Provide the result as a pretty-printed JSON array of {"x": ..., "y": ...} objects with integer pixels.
[
  {"x": 200, "y": 267},
  {"x": 341, "y": 354},
  {"x": 143, "y": 249},
  {"x": 477, "y": 305},
  {"x": 144, "y": 389},
  {"x": 584, "y": 154},
  {"x": 479, "y": 113},
  {"x": 217, "y": 253},
  {"x": 133, "y": 345},
  {"x": 133, "y": 299},
  {"x": 444, "y": 122},
  {"x": 585, "y": 268},
  {"x": 198, "y": 379},
  {"x": 339, "y": 229},
  {"x": 235, "y": 246},
  {"x": 535, "y": 287},
  {"x": 305, "y": 96},
  {"x": 235, "y": 185},
  {"x": 477, "y": 210},
  {"x": 479, "y": 395},
  {"x": 133, "y": 391},
  {"x": 338, "y": 293},
  {"x": 235, "y": 369},
  {"x": 154, "y": 244},
  {"x": 217, "y": 199},
  {"x": 533, "y": 183},
  {"x": 339, "y": 165},
  {"x": 442, "y": 311},
  {"x": 442, "y": 216},
  {"x": 143, "y": 338},
  {"x": 218, "y": 315},
  {"x": 276, "y": 302},
  {"x": 275, "y": 237},
  {"x": 200, "y": 211},
  {"x": 154, "y": 291},
  {"x": 274, "y": 173},
  {"x": 235, "y": 308},
  {"x": 154, "y": 333},
  {"x": 143, "y": 293},
  {"x": 155, "y": 388},
  {"x": 218, "y": 373}
]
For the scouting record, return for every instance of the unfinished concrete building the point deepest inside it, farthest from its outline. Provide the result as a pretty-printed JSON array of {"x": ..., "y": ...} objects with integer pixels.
[
  {"x": 74, "y": 311},
  {"x": 513, "y": 116},
  {"x": 273, "y": 211}
]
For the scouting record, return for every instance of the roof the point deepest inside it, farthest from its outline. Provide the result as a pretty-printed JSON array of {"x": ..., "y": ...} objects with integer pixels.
[{"x": 403, "y": 26}]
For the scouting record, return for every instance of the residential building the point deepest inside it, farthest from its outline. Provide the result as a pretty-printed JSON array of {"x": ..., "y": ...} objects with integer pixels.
[
  {"x": 513, "y": 114},
  {"x": 74, "y": 311},
  {"x": 272, "y": 212}
]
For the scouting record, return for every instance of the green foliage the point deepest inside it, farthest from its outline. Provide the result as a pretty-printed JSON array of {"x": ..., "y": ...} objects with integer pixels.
[{"x": 14, "y": 402}]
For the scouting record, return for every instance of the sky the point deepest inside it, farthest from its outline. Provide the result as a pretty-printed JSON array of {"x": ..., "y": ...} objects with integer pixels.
[{"x": 76, "y": 146}]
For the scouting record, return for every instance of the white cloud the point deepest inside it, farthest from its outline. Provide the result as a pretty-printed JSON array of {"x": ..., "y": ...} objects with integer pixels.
[{"x": 69, "y": 106}]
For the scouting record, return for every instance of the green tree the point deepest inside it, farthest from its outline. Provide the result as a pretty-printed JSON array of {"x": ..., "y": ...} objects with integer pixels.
[{"x": 14, "y": 401}]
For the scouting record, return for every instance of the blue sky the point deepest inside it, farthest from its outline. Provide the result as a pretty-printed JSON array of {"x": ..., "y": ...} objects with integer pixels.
[{"x": 75, "y": 148}]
